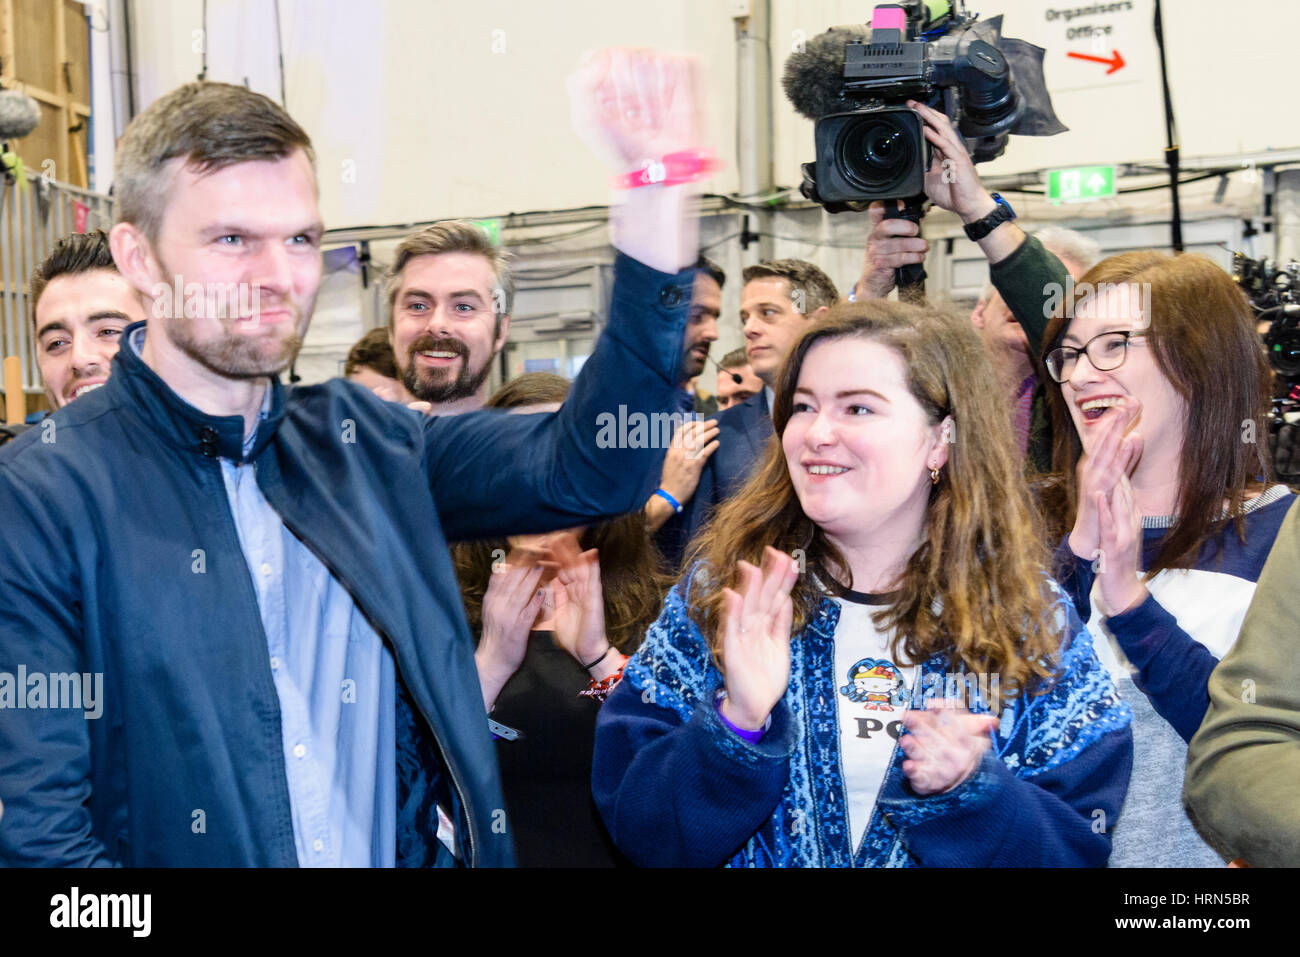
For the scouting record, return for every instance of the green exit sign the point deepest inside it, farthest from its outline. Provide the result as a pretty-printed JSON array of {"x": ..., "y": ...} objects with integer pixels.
[
  {"x": 1080, "y": 184},
  {"x": 492, "y": 227}
]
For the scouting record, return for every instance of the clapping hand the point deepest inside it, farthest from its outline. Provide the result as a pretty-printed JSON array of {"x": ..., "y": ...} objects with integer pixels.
[
  {"x": 580, "y": 607},
  {"x": 1110, "y": 455},
  {"x": 756, "y": 639},
  {"x": 1120, "y": 524},
  {"x": 944, "y": 745},
  {"x": 510, "y": 607}
]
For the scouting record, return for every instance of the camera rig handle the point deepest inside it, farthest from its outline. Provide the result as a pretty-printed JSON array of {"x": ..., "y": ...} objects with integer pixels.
[{"x": 910, "y": 279}]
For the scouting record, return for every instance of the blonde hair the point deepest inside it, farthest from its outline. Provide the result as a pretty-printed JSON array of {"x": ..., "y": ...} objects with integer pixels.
[{"x": 455, "y": 236}]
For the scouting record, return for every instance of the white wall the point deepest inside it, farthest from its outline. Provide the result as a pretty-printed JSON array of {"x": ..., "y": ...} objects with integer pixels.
[
  {"x": 422, "y": 110},
  {"x": 1227, "y": 79},
  {"x": 425, "y": 109}
]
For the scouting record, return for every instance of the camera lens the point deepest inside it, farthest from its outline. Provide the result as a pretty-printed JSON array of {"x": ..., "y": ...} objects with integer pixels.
[
  {"x": 875, "y": 152},
  {"x": 1284, "y": 350}
]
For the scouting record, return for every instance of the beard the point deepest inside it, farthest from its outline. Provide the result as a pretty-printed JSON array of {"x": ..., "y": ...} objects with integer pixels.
[
  {"x": 442, "y": 385},
  {"x": 693, "y": 363},
  {"x": 233, "y": 354}
]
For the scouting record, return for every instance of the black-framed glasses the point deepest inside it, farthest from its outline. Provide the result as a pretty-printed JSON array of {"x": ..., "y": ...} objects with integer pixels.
[{"x": 1106, "y": 352}]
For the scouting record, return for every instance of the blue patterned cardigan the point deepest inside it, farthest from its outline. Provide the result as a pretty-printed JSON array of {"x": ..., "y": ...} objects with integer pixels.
[{"x": 676, "y": 788}]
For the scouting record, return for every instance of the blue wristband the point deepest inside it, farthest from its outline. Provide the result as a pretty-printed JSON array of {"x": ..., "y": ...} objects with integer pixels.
[{"x": 677, "y": 506}]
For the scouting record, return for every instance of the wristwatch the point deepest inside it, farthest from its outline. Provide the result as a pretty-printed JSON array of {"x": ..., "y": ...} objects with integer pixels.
[{"x": 1002, "y": 213}]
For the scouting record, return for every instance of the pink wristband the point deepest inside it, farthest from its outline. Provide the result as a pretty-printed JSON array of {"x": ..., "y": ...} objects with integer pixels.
[{"x": 685, "y": 166}]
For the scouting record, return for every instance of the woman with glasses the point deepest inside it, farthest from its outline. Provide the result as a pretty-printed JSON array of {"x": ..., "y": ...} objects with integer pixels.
[
  {"x": 868, "y": 666},
  {"x": 1160, "y": 418}
]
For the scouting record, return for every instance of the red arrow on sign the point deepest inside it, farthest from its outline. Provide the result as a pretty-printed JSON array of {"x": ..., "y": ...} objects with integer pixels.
[{"x": 1115, "y": 60}]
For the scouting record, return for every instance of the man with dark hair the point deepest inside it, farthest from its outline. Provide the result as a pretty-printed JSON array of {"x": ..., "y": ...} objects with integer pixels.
[
  {"x": 370, "y": 362},
  {"x": 780, "y": 298},
  {"x": 736, "y": 379},
  {"x": 449, "y": 299},
  {"x": 701, "y": 332},
  {"x": 693, "y": 442},
  {"x": 80, "y": 305},
  {"x": 289, "y": 676}
]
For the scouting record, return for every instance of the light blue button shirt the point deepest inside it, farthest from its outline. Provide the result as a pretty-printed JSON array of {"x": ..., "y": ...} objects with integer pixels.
[{"x": 336, "y": 683}]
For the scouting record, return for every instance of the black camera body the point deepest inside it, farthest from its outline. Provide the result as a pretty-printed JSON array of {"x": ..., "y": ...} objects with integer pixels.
[
  {"x": 1274, "y": 293},
  {"x": 854, "y": 85},
  {"x": 866, "y": 155}
]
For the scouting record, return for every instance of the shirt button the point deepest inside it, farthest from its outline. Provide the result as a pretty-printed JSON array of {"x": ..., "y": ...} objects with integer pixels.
[
  {"x": 299, "y": 750},
  {"x": 319, "y": 845},
  {"x": 275, "y": 663},
  {"x": 265, "y": 569}
]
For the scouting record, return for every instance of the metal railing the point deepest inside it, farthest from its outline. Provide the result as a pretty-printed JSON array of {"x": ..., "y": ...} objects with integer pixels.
[{"x": 32, "y": 220}]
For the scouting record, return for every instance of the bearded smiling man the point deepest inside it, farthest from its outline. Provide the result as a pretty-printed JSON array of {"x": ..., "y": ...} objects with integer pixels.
[
  {"x": 288, "y": 675},
  {"x": 449, "y": 300}
]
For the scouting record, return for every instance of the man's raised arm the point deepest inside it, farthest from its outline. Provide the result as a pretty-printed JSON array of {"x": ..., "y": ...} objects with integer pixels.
[{"x": 601, "y": 454}]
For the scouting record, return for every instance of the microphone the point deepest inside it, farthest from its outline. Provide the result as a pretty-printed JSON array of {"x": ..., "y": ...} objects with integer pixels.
[
  {"x": 19, "y": 114},
  {"x": 734, "y": 376},
  {"x": 814, "y": 76}
]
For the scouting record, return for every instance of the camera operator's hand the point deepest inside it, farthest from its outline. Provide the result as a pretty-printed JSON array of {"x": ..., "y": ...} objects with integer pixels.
[
  {"x": 634, "y": 106},
  {"x": 891, "y": 243},
  {"x": 952, "y": 183}
]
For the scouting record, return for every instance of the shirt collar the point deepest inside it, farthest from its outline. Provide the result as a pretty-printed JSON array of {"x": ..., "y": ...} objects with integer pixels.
[{"x": 141, "y": 390}]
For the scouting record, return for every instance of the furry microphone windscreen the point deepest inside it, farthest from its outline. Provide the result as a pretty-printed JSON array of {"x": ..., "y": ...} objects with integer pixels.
[
  {"x": 19, "y": 114},
  {"x": 814, "y": 76}
]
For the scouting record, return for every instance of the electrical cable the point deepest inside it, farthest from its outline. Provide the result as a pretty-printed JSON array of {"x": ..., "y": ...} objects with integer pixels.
[
  {"x": 203, "y": 73},
  {"x": 1171, "y": 137},
  {"x": 279, "y": 48}
]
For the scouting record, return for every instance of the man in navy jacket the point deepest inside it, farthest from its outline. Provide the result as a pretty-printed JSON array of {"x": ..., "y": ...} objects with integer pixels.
[
  {"x": 230, "y": 633},
  {"x": 779, "y": 300}
]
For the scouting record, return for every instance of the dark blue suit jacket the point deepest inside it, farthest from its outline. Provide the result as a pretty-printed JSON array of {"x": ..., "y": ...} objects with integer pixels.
[{"x": 743, "y": 432}]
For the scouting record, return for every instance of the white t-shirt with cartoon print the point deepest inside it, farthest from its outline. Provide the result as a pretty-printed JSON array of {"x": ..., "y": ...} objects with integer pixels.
[{"x": 871, "y": 694}]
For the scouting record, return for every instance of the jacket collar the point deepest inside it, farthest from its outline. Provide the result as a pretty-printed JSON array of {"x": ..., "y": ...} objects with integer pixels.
[{"x": 140, "y": 389}]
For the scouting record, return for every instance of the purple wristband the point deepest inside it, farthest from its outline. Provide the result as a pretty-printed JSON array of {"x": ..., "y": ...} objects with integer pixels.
[{"x": 753, "y": 737}]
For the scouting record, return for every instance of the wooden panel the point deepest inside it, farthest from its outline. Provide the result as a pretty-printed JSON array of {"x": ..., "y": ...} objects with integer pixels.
[
  {"x": 43, "y": 143},
  {"x": 45, "y": 45},
  {"x": 76, "y": 34},
  {"x": 34, "y": 44}
]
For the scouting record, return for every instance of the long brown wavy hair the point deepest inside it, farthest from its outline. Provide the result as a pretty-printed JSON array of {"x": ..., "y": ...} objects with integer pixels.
[
  {"x": 982, "y": 556},
  {"x": 1202, "y": 336},
  {"x": 632, "y": 574}
]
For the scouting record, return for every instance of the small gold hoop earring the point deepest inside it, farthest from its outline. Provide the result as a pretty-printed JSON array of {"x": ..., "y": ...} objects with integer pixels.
[{"x": 934, "y": 476}]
